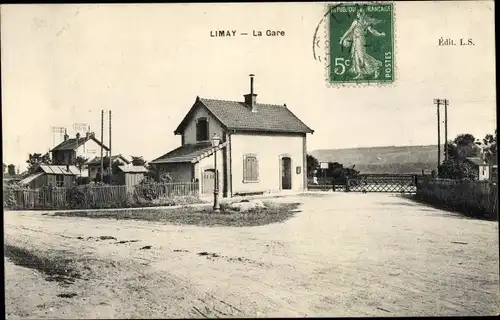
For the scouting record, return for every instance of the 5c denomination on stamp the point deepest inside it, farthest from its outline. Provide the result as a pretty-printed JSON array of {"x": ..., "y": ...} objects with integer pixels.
[{"x": 361, "y": 43}]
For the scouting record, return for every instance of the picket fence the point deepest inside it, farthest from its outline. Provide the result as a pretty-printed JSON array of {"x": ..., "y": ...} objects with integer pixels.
[{"x": 87, "y": 196}]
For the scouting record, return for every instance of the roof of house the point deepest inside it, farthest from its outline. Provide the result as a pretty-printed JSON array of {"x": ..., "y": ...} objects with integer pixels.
[
  {"x": 97, "y": 160},
  {"x": 235, "y": 115},
  {"x": 74, "y": 143},
  {"x": 477, "y": 161},
  {"x": 31, "y": 177},
  {"x": 59, "y": 169},
  {"x": 133, "y": 169},
  {"x": 189, "y": 153}
]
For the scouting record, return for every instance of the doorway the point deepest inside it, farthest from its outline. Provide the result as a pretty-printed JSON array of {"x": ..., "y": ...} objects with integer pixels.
[
  {"x": 286, "y": 173},
  {"x": 208, "y": 181}
]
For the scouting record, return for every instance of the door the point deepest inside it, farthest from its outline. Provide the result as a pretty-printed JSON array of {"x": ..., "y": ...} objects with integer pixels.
[
  {"x": 208, "y": 181},
  {"x": 286, "y": 173}
]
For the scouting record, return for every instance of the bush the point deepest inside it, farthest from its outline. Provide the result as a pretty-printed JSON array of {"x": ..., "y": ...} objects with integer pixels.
[
  {"x": 75, "y": 197},
  {"x": 10, "y": 194},
  {"x": 456, "y": 169},
  {"x": 148, "y": 191}
]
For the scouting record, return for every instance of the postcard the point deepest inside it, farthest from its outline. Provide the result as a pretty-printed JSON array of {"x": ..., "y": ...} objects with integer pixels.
[{"x": 208, "y": 160}]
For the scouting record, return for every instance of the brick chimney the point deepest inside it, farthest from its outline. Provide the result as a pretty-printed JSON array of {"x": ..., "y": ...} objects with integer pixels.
[
  {"x": 66, "y": 137},
  {"x": 251, "y": 98}
]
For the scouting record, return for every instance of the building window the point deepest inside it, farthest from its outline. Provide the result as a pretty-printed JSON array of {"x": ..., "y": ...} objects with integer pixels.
[
  {"x": 59, "y": 180},
  {"x": 250, "y": 168},
  {"x": 202, "y": 129}
]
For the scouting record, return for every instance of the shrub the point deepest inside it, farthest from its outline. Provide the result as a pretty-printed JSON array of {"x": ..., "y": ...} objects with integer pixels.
[
  {"x": 148, "y": 191},
  {"x": 10, "y": 194},
  {"x": 75, "y": 197}
]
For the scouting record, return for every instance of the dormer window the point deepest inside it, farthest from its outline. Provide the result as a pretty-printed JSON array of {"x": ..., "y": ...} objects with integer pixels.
[{"x": 202, "y": 133}]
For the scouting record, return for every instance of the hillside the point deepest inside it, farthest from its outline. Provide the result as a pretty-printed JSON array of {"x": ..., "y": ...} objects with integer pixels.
[{"x": 404, "y": 159}]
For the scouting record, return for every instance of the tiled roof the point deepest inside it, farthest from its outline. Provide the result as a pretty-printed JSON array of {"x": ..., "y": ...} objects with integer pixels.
[
  {"x": 60, "y": 169},
  {"x": 477, "y": 161},
  {"x": 188, "y": 153},
  {"x": 73, "y": 143},
  {"x": 97, "y": 160},
  {"x": 236, "y": 115},
  {"x": 133, "y": 169}
]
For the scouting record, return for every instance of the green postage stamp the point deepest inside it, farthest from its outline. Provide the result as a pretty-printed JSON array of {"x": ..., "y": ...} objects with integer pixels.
[{"x": 361, "y": 43}]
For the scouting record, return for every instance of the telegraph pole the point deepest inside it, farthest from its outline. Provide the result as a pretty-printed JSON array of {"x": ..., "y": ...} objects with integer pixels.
[
  {"x": 102, "y": 140},
  {"x": 110, "y": 154},
  {"x": 445, "y": 129},
  {"x": 438, "y": 102}
]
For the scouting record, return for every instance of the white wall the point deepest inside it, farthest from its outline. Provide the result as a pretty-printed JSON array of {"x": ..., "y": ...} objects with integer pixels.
[
  {"x": 269, "y": 149},
  {"x": 190, "y": 130},
  {"x": 484, "y": 172},
  {"x": 89, "y": 150}
]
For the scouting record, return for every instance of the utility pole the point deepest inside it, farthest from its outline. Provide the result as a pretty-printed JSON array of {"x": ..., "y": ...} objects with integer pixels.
[
  {"x": 110, "y": 154},
  {"x": 438, "y": 102},
  {"x": 445, "y": 129},
  {"x": 102, "y": 140}
]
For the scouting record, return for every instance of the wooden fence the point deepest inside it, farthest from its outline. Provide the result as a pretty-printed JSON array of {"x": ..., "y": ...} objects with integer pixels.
[
  {"x": 86, "y": 197},
  {"x": 470, "y": 197}
]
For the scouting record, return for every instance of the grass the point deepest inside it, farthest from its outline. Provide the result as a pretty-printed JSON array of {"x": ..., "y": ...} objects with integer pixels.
[
  {"x": 55, "y": 267},
  {"x": 199, "y": 216}
]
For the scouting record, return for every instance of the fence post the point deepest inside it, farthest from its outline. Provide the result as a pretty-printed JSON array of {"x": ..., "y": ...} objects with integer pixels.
[
  {"x": 347, "y": 184},
  {"x": 333, "y": 184}
]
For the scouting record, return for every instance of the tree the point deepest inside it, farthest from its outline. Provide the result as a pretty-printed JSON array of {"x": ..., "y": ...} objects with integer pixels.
[
  {"x": 456, "y": 166},
  {"x": 138, "y": 161},
  {"x": 80, "y": 162},
  {"x": 37, "y": 159},
  {"x": 489, "y": 147},
  {"x": 11, "y": 170},
  {"x": 463, "y": 146},
  {"x": 456, "y": 169},
  {"x": 338, "y": 172},
  {"x": 312, "y": 165}
]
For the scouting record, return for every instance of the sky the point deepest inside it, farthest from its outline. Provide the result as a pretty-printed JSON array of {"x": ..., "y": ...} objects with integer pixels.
[{"x": 63, "y": 64}]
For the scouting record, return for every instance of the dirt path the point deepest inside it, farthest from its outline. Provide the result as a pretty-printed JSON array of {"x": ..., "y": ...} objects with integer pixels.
[{"x": 343, "y": 255}]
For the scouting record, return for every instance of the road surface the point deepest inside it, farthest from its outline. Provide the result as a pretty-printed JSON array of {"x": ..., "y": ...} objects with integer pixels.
[{"x": 343, "y": 255}]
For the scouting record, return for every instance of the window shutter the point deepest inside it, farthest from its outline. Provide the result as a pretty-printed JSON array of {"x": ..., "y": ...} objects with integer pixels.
[
  {"x": 250, "y": 168},
  {"x": 256, "y": 169},
  {"x": 245, "y": 169}
]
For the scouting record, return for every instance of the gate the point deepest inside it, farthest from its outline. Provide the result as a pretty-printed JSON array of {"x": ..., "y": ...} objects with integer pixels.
[{"x": 391, "y": 183}]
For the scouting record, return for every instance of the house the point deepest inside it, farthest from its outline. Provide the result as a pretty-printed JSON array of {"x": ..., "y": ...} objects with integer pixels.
[
  {"x": 481, "y": 168},
  {"x": 130, "y": 175},
  {"x": 262, "y": 149},
  {"x": 68, "y": 150},
  {"x": 55, "y": 175},
  {"x": 94, "y": 165}
]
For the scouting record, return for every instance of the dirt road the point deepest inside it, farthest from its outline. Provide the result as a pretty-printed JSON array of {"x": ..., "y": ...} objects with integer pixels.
[{"x": 342, "y": 255}]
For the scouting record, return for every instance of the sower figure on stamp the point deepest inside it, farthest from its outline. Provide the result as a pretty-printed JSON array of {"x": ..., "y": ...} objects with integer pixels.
[{"x": 362, "y": 63}]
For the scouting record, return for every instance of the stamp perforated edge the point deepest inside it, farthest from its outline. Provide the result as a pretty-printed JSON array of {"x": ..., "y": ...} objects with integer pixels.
[{"x": 373, "y": 84}]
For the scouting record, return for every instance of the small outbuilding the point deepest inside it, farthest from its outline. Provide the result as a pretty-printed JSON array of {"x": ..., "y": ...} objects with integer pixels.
[
  {"x": 130, "y": 175},
  {"x": 481, "y": 168},
  {"x": 55, "y": 175}
]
